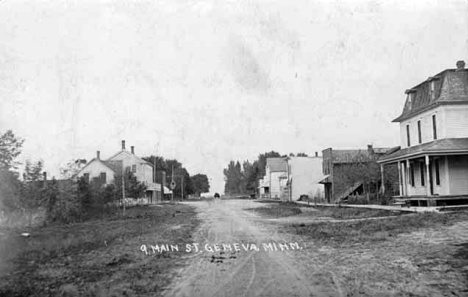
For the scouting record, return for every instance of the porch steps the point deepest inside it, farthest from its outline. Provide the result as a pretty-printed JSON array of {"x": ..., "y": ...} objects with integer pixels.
[{"x": 401, "y": 202}]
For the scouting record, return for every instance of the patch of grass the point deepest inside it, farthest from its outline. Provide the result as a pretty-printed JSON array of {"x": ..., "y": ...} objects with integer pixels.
[
  {"x": 89, "y": 258},
  {"x": 277, "y": 211},
  {"x": 345, "y": 213},
  {"x": 374, "y": 230}
]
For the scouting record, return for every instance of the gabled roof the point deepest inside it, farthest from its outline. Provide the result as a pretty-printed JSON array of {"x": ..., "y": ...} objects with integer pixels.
[
  {"x": 450, "y": 87},
  {"x": 277, "y": 164},
  {"x": 115, "y": 166},
  {"x": 130, "y": 155},
  {"x": 441, "y": 146}
]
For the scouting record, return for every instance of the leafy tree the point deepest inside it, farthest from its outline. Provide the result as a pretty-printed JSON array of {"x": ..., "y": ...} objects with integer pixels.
[
  {"x": 10, "y": 185},
  {"x": 302, "y": 155},
  {"x": 133, "y": 188},
  {"x": 234, "y": 178},
  {"x": 72, "y": 167},
  {"x": 200, "y": 183},
  {"x": 10, "y": 188},
  {"x": 33, "y": 189},
  {"x": 10, "y": 149},
  {"x": 160, "y": 162}
]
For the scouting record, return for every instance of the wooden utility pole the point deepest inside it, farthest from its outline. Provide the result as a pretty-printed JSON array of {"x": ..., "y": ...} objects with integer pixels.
[
  {"x": 154, "y": 175},
  {"x": 172, "y": 180},
  {"x": 123, "y": 188},
  {"x": 182, "y": 187}
]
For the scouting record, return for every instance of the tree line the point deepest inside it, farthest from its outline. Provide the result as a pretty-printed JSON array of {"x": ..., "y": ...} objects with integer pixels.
[
  {"x": 75, "y": 199},
  {"x": 243, "y": 178},
  {"x": 185, "y": 183}
]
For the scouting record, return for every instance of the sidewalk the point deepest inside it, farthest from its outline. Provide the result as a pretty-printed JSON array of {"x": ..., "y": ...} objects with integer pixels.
[{"x": 373, "y": 206}]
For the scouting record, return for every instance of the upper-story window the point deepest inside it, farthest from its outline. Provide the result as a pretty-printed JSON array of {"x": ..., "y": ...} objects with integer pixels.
[
  {"x": 408, "y": 137},
  {"x": 434, "y": 126},
  {"x": 103, "y": 177},
  {"x": 134, "y": 168},
  {"x": 432, "y": 89},
  {"x": 419, "y": 132}
]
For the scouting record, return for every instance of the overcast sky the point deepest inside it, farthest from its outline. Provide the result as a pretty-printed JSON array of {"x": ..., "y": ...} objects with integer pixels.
[{"x": 210, "y": 81}]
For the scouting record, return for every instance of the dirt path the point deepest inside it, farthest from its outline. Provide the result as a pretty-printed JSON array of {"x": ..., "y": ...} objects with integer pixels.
[{"x": 245, "y": 273}]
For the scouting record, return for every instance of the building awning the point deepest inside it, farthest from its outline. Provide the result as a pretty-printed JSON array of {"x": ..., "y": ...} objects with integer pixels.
[
  {"x": 325, "y": 180},
  {"x": 167, "y": 191}
]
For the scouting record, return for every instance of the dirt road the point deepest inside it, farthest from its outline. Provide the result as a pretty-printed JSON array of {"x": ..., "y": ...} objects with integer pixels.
[{"x": 256, "y": 270}]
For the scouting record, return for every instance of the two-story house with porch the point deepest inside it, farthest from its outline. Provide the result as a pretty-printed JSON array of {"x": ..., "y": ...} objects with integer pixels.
[
  {"x": 433, "y": 159},
  {"x": 105, "y": 171}
]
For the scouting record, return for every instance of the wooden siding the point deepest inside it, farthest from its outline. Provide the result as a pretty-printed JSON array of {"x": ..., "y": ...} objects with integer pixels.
[
  {"x": 144, "y": 172},
  {"x": 426, "y": 127},
  {"x": 275, "y": 189},
  {"x": 456, "y": 121},
  {"x": 306, "y": 172},
  {"x": 458, "y": 168},
  {"x": 95, "y": 168}
]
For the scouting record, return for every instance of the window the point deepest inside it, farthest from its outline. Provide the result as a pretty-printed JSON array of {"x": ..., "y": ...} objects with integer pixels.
[
  {"x": 408, "y": 139},
  {"x": 437, "y": 173},
  {"x": 419, "y": 131},
  {"x": 412, "y": 175},
  {"x": 133, "y": 168},
  {"x": 86, "y": 177},
  {"x": 103, "y": 177},
  {"x": 432, "y": 92},
  {"x": 410, "y": 100},
  {"x": 421, "y": 168},
  {"x": 434, "y": 126}
]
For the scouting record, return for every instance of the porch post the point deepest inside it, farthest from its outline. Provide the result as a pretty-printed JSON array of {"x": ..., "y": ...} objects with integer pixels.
[
  {"x": 400, "y": 179},
  {"x": 428, "y": 186},
  {"x": 408, "y": 177},
  {"x": 382, "y": 183}
]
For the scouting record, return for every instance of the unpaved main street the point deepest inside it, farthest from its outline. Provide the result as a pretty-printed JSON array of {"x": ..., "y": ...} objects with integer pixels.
[
  {"x": 432, "y": 261},
  {"x": 246, "y": 273}
]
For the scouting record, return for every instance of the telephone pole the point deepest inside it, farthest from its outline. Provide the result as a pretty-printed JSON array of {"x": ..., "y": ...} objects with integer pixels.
[
  {"x": 123, "y": 189},
  {"x": 172, "y": 180},
  {"x": 182, "y": 188}
]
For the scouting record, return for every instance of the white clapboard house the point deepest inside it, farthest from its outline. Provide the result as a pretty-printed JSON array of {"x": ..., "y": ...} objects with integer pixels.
[
  {"x": 106, "y": 170},
  {"x": 433, "y": 159}
]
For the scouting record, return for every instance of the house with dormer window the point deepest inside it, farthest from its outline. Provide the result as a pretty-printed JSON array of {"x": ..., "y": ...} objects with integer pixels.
[{"x": 433, "y": 159}]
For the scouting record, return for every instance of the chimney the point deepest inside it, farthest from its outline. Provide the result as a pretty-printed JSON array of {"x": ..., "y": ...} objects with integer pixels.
[
  {"x": 460, "y": 65},
  {"x": 98, "y": 155},
  {"x": 123, "y": 145},
  {"x": 133, "y": 149},
  {"x": 316, "y": 154}
]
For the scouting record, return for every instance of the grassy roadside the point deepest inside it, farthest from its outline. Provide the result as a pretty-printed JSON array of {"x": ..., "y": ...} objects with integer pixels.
[
  {"x": 391, "y": 223},
  {"x": 96, "y": 258},
  {"x": 374, "y": 230},
  {"x": 339, "y": 213}
]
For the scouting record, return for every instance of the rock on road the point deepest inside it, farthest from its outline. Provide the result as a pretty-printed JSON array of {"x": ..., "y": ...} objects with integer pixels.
[{"x": 245, "y": 273}]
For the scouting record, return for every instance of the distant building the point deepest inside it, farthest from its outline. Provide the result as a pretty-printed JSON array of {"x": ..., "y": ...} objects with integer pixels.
[
  {"x": 275, "y": 168},
  {"x": 433, "y": 159},
  {"x": 105, "y": 171},
  {"x": 302, "y": 178},
  {"x": 336, "y": 166}
]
